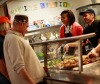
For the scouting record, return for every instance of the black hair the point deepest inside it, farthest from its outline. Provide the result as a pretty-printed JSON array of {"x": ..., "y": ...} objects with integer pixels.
[{"x": 70, "y": 16}]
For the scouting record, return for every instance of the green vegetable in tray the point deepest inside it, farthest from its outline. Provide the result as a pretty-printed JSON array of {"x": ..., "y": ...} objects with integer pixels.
[
  {"x": 53, "y": 62},
  {"x": 41, "y": 54}
]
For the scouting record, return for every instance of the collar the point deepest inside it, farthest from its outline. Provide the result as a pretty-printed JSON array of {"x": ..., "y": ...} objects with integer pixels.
[
  {"x": 93, "y": 22},
  {"x": 14, "y": 32}
]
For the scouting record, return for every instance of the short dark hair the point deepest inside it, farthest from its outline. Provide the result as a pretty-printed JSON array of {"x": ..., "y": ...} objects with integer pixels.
[
  {"x": 20, "y": 18},
  {"x": 70, "y": 16}
]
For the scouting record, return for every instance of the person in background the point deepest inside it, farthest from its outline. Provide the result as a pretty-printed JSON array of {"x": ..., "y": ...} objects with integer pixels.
[
  {"x": 4, "y": 27},
  {"x": 92, "y": 27},
  {"x": 23, "y": 66},
  {"x": 69, "y": 27}
]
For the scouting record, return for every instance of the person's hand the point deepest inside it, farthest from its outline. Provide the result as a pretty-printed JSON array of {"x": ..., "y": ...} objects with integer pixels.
[
  {"x": 66, "y": 47},
  {"x": 92, "y": 53}
]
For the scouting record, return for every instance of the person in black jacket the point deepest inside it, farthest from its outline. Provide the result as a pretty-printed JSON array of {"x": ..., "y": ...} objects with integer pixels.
[
  {"x": 4, "y": 26},
  {"x": 93, "y": 26}
]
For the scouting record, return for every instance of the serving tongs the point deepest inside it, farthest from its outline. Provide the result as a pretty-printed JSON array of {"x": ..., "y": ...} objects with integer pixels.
[{"x": 63, "y": 56}]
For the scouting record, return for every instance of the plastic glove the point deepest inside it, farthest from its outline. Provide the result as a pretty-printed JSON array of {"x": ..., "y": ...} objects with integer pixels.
[{"x": 93, "y": 53}]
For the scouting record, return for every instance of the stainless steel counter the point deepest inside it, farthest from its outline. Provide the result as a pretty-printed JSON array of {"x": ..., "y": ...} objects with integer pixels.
[{"x": 90, "y": 75}]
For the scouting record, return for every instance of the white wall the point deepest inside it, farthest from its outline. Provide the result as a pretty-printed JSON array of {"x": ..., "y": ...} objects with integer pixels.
[
  {"x": 47, "y": 13},
  {"x": 98, "y": 1}
]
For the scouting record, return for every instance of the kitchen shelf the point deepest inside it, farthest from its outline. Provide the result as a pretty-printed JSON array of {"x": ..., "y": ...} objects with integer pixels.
[{"x": 42, "y": 29}]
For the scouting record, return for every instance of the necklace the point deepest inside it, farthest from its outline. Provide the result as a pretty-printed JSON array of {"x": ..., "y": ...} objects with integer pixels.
[{"x": 68, "y": 29}]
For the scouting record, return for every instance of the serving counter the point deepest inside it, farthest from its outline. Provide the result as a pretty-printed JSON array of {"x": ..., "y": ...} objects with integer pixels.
[
  {"x": 68, "y": 39},
  {"x": 82, "y": 74},
  {"x": 90, "y": 75}
]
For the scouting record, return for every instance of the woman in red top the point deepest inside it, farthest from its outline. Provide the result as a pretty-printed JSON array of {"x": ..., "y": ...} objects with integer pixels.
[{"x": 69, "y": 27}]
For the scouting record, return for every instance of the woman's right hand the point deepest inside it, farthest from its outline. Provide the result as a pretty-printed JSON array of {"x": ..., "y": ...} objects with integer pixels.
[{"x": 66, "y": 47}]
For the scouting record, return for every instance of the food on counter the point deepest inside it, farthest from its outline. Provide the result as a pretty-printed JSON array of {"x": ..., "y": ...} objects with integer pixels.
[
  {"x": 86, "y": 61},
  {"x": 70, "y": 62},
  {"x": 53, "y": 62}
]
